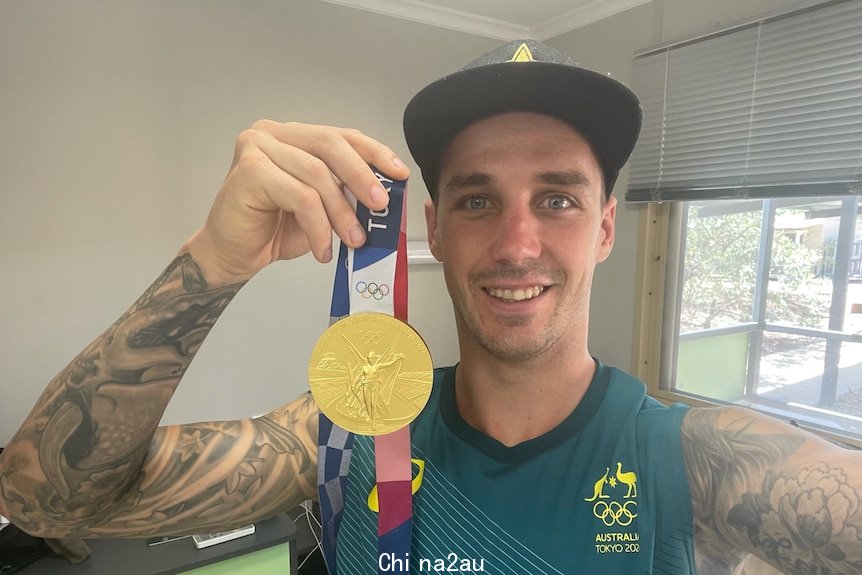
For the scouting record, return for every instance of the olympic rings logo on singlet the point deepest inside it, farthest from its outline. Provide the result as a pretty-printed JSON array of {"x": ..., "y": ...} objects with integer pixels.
[
  {"x": 615, "y": 513},
  {"x": 616, "y": 507},
  {"x": 370, "y": 290}
]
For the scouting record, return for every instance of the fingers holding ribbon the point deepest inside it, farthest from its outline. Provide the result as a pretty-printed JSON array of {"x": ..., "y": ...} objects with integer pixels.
[
  {"x": 347, "y": 153},
  {"x": 326, "y": 158},
  {"x": 283, "y": 195}
]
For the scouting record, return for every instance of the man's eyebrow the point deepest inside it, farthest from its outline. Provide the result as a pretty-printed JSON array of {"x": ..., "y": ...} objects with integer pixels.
[
  {"x": 566, "y": 178},
  {"x": 478, "y": 179},
  {"x": 471, "y": 180}
]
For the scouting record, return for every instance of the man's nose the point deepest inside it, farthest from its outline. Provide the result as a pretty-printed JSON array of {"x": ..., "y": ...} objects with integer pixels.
[{"x": 517, "y": 238}]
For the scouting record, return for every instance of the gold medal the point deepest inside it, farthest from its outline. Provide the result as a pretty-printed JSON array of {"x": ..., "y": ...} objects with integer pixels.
[{"x": 370, "y": 373}]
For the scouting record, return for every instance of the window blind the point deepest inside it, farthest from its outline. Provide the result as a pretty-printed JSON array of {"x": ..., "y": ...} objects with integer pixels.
[{"x": 770, "y": 110}]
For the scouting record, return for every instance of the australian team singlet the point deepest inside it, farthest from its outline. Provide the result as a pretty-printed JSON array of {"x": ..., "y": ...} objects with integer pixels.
[{"x": 603, "y": 492}]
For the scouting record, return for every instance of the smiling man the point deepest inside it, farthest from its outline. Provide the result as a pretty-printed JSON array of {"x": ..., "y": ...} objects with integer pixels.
[
  {"x": 519, "y": 222},
  {"x": 535, "y": 457}
]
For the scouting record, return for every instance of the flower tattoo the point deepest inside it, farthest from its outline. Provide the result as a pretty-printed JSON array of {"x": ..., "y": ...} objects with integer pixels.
[
  {"x": 802, "y": 515},
  {"x": 190, "y": 444}
]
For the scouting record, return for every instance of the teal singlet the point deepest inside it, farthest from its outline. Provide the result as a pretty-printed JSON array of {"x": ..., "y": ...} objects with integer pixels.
[{"x": 603, "y": 492}]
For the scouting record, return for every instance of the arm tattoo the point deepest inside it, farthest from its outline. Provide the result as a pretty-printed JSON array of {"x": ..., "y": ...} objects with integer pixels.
[
  {"x": 765, "y": 491},
  {"x": 203, "y": 477},
  {"x": 82, "y": 447}
]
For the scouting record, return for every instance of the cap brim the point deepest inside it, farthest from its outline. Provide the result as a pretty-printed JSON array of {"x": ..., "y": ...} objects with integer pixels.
[{"x": 606, "y": 112}]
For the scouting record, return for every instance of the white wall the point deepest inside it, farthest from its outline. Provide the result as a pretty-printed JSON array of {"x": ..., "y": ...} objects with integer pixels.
[{"x": 117, "y": 124}]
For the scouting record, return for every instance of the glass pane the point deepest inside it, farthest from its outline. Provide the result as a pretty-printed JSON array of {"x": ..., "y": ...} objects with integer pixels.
[
  {"x": 848, "y": 400},
  {"x": 792, "y": 377},
  {"x": 791, "y": 368},
  {"x": 853, "y": 311},
  {"x": 720, "y": 271},
  {"x": 713, "y": 367},
  {"x": 802, "y": 264}
]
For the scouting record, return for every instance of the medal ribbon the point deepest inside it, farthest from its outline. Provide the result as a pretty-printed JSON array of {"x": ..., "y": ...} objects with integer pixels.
[{"x": 372, "y": 278}]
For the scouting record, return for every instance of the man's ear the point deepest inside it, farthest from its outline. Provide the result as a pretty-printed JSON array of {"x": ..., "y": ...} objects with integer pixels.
[
  {"x": 431, "y": 225},
  {"x": 607, "y": 229}
]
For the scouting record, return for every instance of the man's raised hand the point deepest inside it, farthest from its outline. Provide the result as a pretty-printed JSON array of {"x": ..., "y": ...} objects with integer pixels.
[{"x": 283, "y": 196}]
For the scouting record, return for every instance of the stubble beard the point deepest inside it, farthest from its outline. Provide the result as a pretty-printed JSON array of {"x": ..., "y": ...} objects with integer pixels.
[{"x": 499, "y": 343}]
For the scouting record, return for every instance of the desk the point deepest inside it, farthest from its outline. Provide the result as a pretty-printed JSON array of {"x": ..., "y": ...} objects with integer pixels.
[{"x": 271, "y": 549}]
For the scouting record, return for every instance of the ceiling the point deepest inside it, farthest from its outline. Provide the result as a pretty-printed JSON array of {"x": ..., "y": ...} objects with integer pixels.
[{"x": 502, "y": 19}]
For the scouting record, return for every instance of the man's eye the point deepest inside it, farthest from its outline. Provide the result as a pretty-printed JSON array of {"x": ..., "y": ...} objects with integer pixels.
[
  {"x": 557, "y": 202},
  {"x": 476, "y": 203}
]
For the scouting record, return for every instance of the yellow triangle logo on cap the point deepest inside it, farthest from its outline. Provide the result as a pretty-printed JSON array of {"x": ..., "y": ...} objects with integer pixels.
[{"x": 522, "y": 54}]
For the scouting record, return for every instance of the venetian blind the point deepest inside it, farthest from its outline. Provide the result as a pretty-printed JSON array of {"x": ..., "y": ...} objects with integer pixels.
[{"x": 770, "y": 110}]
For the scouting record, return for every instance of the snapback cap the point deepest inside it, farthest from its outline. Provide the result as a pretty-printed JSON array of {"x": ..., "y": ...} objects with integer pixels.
[{"x": 524, "y": 76}]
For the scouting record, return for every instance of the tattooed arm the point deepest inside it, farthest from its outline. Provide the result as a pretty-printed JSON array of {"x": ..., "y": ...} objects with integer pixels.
[
  {"x": 89, "y": 460},
  {"x": 768, "y": 488}
]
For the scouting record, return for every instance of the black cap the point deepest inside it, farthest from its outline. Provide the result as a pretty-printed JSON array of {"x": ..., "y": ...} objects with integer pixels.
[{"x": 524, "y": 75}]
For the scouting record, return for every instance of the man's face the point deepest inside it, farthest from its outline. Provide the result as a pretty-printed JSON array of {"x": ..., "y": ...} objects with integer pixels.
[{"x": 519, "y": 226}]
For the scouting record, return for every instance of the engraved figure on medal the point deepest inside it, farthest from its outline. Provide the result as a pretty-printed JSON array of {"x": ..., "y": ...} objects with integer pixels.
[{"x": 371, "y": 383}]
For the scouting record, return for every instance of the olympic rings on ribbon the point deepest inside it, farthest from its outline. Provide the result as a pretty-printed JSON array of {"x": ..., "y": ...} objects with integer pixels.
[
  {"x": 372, "y": 290},
  {"x": 614, "y": 512}
]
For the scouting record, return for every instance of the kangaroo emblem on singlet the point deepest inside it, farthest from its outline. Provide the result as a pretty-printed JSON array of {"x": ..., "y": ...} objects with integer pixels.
[{"x": 610, "y": 504}]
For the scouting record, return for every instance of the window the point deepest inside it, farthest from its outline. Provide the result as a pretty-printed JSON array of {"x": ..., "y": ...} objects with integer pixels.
[
  {"x": 769, "y": 308},
  {"x": 752, "y": 142}
]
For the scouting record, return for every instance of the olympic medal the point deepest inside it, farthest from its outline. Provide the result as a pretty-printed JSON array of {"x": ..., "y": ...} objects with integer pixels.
[{"x": 370, "y": 373}]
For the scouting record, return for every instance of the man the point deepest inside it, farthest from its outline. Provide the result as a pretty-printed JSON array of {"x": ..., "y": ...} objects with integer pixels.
[{"x": 538, "y": 459}]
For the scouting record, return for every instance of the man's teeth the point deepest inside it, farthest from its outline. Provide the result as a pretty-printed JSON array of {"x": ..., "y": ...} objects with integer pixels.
[{"x": 516, "y": 294}]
